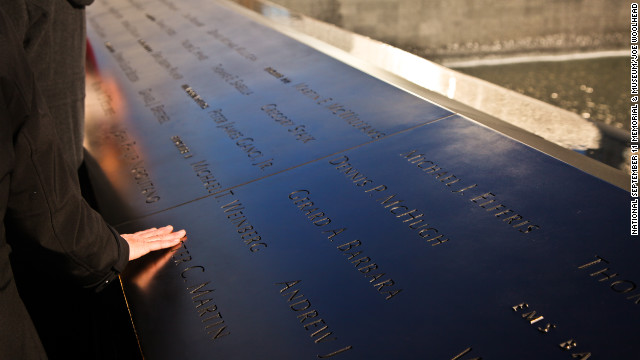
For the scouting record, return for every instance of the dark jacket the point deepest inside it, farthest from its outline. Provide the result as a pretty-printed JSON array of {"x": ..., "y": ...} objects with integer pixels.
[{"x": 46, "y": 225}]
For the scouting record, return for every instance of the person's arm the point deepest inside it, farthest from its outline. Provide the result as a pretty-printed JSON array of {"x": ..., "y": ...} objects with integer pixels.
[{"x": 49, "y": 225}]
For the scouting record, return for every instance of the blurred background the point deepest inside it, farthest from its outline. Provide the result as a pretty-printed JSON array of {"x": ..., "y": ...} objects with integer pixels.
[{"x": 572, "y": 55}]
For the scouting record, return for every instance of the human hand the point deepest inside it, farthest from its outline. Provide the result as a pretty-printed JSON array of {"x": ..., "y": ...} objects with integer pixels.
[{"x": 143, "y": 242}]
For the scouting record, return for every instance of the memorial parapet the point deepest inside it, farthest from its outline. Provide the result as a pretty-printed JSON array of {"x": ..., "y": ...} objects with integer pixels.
[{"x": 331, "y": 214}]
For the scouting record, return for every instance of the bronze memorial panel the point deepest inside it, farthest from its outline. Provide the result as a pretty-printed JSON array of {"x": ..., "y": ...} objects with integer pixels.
[{"x": 360, "y": 221}]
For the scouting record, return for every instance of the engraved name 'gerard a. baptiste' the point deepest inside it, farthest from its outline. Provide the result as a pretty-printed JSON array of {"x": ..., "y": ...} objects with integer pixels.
[
  {"x": 340, "y": 111},
  {"x": 104, "y": 99},
  {"x": 200, "y": 293},
  {"x": 309, "y": 317},
  {"x": 486, "y": 200},
  {"x": 600, "y": 270},
  {"x": 156, "y": 108},
  {"x": 137, "y": 168},
  {"x": 535, "y": 319},
  {"x": 233, "y": 80},
  {"x": 298, "y": 131},
  {"x": 411, "y": 217},
  {"x": 353, "y": 250},
  {"x": 161, "y": 60},
  {"x": 129, "y": 72},
  {"x": 244, "y": 143}
]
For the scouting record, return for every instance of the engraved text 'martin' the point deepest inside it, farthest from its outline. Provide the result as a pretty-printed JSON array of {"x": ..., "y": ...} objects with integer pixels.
[{"x": 199, "y": 291}]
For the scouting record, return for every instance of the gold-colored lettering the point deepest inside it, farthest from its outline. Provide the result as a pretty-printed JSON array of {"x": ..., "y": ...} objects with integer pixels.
[
  {"x": 497, "y": 207},
  {"x": 484, "y": 196},
  {"x": 631, "y": 286},
  {"x": 531, "y": 317},
  {"x": 520, "y": 306},
  {"x": 391, "y": 294},
  {"x": 529, "y": 229},
  {"x": 200, "y": 303},
  {"x": 378, "y": 188},
  {"x": 637, "y": 297},
  {"x": 293, "y": 295},
  {"x": 411, "y": 215},
  {"x": 305, "y": 305},
  {"x": 383, "y": 284},
  {"x": 463, "y": 353},
  {"x": 546, "y": 329},
  {"x": 220, "y": 333},
  {"x": 196, "y": 289},
  {"x": 368, "y": 268},
  {"x": 568, "y": 345},
  {"x": 335, "y": 352},
  {"x": 353, "y": 254},
  {"x": 349, "y": 245},
  {"x": 288, "y": 285},
  {"x": 357, "y": 262},
  {"x": 296, "y": 192},
  {"x": 388, "y": 199},
  {"x": 190, "y": 268},
  {"x": 323, "y": 338},
  {"x": 438, "y": 240},
  {"x": 512, "y": 218},
  {"x": 606, "y": 276},
  {"x": 341, "y": 160},
  {"x": 308, "y": 315},
  {"x": 593, "y": 262},
  {"x": 581, "y": 356},
  {"x": 333, "y": 232},
  {"x": 315, "y": 324},
  {"x": 181, "y": 260},
  {"x": 212, "y": 308},
  {"x": 255, "y": 248},
  {"x": 216, "y": 316},
  {"x": 503, "y": 212},
  {"x": 464, "y": 189}
]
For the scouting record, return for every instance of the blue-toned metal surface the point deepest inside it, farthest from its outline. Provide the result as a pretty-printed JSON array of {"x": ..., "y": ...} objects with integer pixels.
[
  {"x": 421, "y": 245},
  {"x": 269, "y": 104},
  {"x": 384, "y": 226}
]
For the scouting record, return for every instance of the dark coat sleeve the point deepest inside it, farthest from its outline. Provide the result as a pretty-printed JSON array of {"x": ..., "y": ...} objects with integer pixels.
[{"x": 46, "y": 216}]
